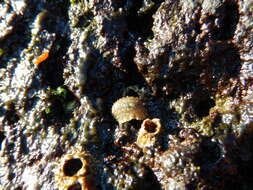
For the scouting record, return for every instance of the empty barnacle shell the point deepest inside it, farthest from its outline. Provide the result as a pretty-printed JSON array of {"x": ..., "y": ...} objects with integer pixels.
[
  {"x": 148, "y": 132},
  {"x": 75, "y": 172},
  {"x": 128, "y": 108}
]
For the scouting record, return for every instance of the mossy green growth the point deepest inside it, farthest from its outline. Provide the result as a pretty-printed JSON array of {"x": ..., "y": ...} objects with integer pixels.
[
  {"x": 62, "y": 103},
  {"x": 2, "y": 52},
  {"x": 60, "y": 91},
  {"x": 48, "y": 111},
  {"x": 75, "y": 1}
]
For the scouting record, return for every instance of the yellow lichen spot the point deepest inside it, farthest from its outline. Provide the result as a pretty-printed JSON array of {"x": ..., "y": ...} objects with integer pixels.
[
  {"x": 75, "y": 172},
  {"x": 148, "y": 133},
  {"x": 128, "y": 108},
  {"x": 41, "y": 58}
]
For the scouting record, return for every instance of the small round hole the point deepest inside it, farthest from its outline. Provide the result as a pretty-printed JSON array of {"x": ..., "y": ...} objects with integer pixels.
[
  {"x": 150, "y": 126},
  {"x": 76, "y": 186},
  {"x": 72, "y": 166}
]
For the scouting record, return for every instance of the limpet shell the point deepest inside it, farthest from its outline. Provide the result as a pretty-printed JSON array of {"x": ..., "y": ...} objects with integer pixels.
[
  {"x": 75, "y": 171},
  {"x": 128, "y": 108},
  {"x": 148, "y": 132}
]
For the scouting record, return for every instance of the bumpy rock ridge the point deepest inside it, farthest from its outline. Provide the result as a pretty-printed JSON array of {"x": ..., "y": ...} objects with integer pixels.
[{"x": 189, "y": 61}]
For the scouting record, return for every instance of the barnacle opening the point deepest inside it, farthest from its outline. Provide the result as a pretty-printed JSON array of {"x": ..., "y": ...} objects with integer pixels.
[
  {"x": 209, "y": 153},
  {"x": 76, "y": 186},
  {"x": 203, "y": 107},
  {"x": 72, "y": 166},
  {"x": 140, "y": 17},
  {"x": 148, "y": 133},
  {"x": 198, "y": 106},
  {"x": 150, "y": 126}
]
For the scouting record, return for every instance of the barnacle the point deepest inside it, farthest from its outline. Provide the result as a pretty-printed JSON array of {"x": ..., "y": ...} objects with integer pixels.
[
  {"x": 128, "y": 108},
  {"x": 75, "y": 172},
  {"x": 148, "y": 133}
]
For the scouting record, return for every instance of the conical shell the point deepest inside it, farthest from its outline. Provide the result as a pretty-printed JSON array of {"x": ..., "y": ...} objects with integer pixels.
[{"x": 128, "y": 108}]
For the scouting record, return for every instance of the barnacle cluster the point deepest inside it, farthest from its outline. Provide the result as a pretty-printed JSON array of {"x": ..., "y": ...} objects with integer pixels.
[
  {"x": 148, "y": 132},
  {"x": 75, "y": 172},
  {"x": 131, "y": 108}
]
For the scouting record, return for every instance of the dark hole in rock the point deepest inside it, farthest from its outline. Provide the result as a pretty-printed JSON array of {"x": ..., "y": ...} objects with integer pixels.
[
  {"x": 217, "y": 120},
  {"x": 72, "y": 166},
  {"x": 24, "y": 148},
  {"x": 198, "y": 28},
  {"x": 30, "y": 102},
  {"x": 198, "y": 106},
  {"x": 11, "y": 115},
  {"x": 141, "y": 23},
  {"x": 76, "y": 186},
  {"x": 149, "y": 181},
  {"x": 245, "y": 154},
  {"x": 121, "y": 4},
  {"x": 132, "y": 93},
  {"x": 2, "y": 137},
  {"x": 132, "y": 17},
  {"x": 192, "y": 185},
  {"x": 58, "y": 107},
  {"x": 150, "y": 126},
  {"x": 133, "y": 124},
  {"x": 127, "y": 132},
  {"x": 134, "y": 75},
  {"x": 85, "y": 20},
  {"x": 228, "y": 22},
  {"x": 121, "y": 140},
  {"x": 2, "y": 111},
  {"x": 209, "y": 154},
  {"x": 55, "y": 11},
  {"x": 11, "y": 176},
  {"x": 203, "y": 107},
  {"x": 144, "y": 70}
]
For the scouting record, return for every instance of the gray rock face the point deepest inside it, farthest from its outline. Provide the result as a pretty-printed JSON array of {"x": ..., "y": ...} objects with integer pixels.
[{"x": 64, "y": 63}]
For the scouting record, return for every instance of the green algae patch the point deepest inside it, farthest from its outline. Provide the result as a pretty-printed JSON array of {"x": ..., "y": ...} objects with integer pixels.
[
  {"x": 62, "y": 104},
  {"x": 2, "y": 52}
]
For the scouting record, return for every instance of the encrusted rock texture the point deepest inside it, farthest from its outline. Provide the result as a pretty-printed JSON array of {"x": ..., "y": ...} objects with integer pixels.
[{"x": 64, "y": 63}]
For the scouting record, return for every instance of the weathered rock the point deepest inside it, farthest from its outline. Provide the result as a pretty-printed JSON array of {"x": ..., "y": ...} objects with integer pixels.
[{"x": 191, "y": 62}]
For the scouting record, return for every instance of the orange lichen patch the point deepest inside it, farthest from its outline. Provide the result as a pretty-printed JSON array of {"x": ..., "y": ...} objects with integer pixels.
[
  {"x": 41, "y": 58},
  {"x": 76, "y": 172}
]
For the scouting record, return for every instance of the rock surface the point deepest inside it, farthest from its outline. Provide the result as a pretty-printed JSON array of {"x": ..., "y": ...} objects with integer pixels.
[{"x": 64, "y": 63}]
